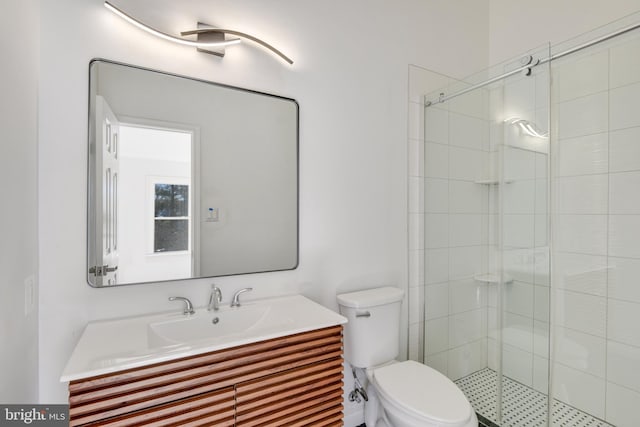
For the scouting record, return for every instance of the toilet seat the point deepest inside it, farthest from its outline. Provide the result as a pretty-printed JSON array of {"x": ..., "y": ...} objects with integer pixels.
[{"x": 422, "y": 392}]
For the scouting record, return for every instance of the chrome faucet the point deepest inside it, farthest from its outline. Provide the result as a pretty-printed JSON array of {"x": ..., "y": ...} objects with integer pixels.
[
  {"x": 188, "y": 307},
  {"x": 235, "y": 302},
  {"x": 215, "y": 298}
]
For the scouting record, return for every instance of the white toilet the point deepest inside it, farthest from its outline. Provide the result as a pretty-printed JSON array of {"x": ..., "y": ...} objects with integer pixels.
[{"x": 401, "y": 394}]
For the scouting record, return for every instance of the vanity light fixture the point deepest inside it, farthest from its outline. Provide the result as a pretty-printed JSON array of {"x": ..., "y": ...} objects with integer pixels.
[
  {"x": 208, "y": 37},
  {"x": 166, "y": 36},
  {"x": 527, "y": 127}
]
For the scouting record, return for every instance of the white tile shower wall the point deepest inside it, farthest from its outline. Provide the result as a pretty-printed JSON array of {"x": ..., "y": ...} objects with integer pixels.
[
  {"x": 447, "y": 310},
  {"x": 456, "y": 235},
  {"x": 597, "y": 242},
  {"x": 428, "y": 228}
]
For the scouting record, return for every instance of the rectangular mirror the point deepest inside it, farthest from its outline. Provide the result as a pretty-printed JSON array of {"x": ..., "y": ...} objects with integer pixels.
[{"x": 187, "y": 178}]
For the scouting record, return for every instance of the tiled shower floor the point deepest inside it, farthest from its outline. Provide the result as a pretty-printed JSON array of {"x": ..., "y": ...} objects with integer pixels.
[{"x": 522, "y": 405}]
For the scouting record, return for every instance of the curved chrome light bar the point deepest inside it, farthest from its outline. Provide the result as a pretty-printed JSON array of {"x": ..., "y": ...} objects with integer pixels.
[
  {"x": 201, "y": 44},
  {"x": 166, "y": 36},
  {"x": 212, "y": 30}
]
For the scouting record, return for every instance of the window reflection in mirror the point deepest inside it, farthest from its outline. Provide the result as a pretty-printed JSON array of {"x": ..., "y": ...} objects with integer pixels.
[{"x": 171, "y": 219}]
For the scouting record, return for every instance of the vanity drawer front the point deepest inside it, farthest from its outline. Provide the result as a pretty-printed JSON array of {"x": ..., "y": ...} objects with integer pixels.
[
  {"x": 209, "y": 409},
  {"x": 297, "y": 397},
  {"x": 156, "y": 386}
]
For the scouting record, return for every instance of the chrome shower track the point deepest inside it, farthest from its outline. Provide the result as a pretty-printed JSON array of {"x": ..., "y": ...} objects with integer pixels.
[{"x": 533, "y": 64}]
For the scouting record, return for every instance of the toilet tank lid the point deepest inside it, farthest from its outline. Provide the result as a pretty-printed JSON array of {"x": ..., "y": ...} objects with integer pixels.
[{"x": 371, "y": 297}]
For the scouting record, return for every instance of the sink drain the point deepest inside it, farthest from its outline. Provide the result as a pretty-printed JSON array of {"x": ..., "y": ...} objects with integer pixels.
[{"x": 215, "y": 320}]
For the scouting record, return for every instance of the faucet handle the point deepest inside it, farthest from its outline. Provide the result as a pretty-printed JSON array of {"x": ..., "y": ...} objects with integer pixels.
[
  {"x": 235, "y": 302},
  {"x": 188, "y": 306}
]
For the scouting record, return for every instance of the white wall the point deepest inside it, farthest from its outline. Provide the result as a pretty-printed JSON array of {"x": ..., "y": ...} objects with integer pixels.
[
  {"x": 18, "y": 211},
  {"x": 350, "y": 78},
  {"x": 520, "y": 25}
]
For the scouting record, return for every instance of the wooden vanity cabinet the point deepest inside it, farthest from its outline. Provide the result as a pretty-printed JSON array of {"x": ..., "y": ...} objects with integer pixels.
[{"x": 295, "y": 380}]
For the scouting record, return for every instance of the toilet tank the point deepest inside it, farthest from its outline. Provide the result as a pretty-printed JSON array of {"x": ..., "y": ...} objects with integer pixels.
[{"x": 372, "y": 335}]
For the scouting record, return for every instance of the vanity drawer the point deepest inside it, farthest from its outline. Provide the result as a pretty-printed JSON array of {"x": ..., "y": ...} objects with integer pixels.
[
  {"x": 297, "y": 397},
  {"x": 208, "y": 409},
  {"x": 263, "y": 379}
]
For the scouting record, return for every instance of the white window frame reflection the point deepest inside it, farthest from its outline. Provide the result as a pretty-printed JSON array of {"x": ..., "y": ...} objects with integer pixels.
[{"x": 151, "y": 199}]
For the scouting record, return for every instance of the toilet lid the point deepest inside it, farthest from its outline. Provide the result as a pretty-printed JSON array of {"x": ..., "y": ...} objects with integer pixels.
[{"x": 423, "y": 391}]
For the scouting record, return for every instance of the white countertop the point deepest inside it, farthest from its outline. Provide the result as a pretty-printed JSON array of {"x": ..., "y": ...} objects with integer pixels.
[{"x": 113, "y": 345}]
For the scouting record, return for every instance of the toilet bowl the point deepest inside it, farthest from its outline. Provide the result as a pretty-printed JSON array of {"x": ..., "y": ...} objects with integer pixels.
[
  {"x": 401, "y": 394},
  {"x": 414, "y": 395}
]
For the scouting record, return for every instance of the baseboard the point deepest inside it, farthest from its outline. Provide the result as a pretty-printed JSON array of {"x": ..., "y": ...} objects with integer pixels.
[{"x": 353, "y": 416}]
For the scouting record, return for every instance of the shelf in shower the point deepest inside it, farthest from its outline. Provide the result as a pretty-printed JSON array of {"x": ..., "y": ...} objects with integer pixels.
[
  {"x": 491, "y": 278},
  {"x": 490, "y": 181}
]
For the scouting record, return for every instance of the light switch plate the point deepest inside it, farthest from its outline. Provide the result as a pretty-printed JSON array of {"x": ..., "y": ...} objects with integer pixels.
[
  {"x": 213, "y": 215},
  {"x": 29, "y": 295}
]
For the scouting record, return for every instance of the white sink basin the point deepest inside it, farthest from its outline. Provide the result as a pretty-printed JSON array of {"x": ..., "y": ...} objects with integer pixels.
[
  {"x": 212, "y": 325},
  {"x": 114, "y": 345}
]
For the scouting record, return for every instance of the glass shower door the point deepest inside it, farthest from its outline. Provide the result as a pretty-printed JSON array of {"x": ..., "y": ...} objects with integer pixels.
[
  {"x": 519, "y": 317},
  {"x": 486, "y": 241}
]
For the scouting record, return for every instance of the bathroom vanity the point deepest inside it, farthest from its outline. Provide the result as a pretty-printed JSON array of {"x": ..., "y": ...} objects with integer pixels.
[{"x": 282, "y": 366}]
